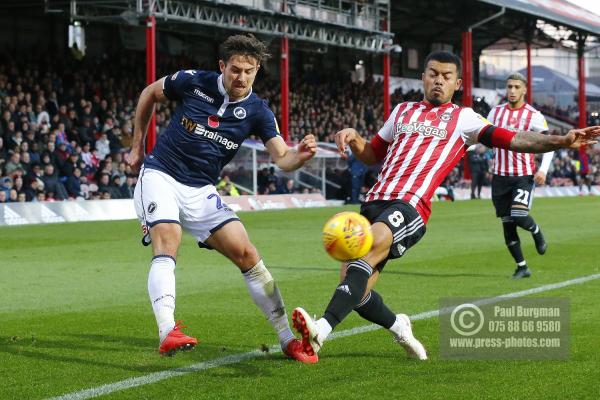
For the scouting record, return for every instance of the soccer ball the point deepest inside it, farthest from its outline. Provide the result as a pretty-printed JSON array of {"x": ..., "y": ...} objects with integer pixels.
[{"x": 347, "y": 236}]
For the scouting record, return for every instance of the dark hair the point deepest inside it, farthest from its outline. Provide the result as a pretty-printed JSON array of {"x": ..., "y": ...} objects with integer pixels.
[
  {"x": 444, "y": 57},
  {"x": 244, "y": 45},
  {"x": 517, "y": 77}
]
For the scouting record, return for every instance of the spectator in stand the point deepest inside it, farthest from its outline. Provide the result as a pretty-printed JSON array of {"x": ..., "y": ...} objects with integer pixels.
[
  {"x": 115, "y": 187},
  {"x": 73, "y": 184},
  {"x": 6, "y": 184},
  {"x": 52, "y": 154},
  {"x": 89, "y": 158},
  {"x": 104, "y": 183},
  {"x": 121, "y": 171},
  {"x": 357, "y": 173},
  {"x": 103, "y": 146},
  {"x": 226, "y": 187},
  {"x": 62, "y": 155},
  {"x": 272, "y": 178},
  {"x": 128, "y": 187},
  {"x": 289, "y": 187},
  {"x": 114, "y": 138},
  {"x": 3, "y": 153},
  {"x": 70, "y": 165},
  {"x": 263, "y": 181},
  {"x": 85, "y": 131},
  {"x": 18, "y": 184},
  {"x": 13, "y": 163},
  {"x": 12, "y": 196},
  {"x": 52, "y": 184}
]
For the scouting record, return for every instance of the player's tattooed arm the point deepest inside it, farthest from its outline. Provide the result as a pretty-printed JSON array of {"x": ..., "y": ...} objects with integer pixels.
[{"x": 533, "y": 142}]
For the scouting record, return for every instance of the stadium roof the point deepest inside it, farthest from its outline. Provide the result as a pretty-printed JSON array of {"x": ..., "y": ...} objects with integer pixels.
[
  {"x": 560, "y": 11},
  {"x": 549, "y": 81},
  {"x": 443, "y": 21}
]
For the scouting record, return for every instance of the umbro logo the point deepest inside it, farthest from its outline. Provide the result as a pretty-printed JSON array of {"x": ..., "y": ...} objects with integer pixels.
[{"x": 344, "y": 288}]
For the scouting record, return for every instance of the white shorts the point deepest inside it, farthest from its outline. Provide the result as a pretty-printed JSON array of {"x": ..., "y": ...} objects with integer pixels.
[{"x": 199, "y": 210}]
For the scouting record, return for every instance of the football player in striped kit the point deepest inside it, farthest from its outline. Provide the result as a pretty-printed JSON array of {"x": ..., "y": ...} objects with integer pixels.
[
  {"x": 420, "y": 143},
  {"x": 515, "y": 176}
]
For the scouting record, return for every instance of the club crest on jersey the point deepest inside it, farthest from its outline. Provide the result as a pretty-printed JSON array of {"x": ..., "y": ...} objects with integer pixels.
[
  {"x": 213, "y": 121},
  {"x": 421, "y": 129},
  {"x": 446, "y": 117},
  {"x": 152, "y": 207},
  {"x": 433, "y": 115},
  {"x": 239, "y": 112}
]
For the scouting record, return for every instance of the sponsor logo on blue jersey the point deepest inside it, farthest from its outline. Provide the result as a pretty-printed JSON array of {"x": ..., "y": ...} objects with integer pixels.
[{"x": 198, "y": 129}]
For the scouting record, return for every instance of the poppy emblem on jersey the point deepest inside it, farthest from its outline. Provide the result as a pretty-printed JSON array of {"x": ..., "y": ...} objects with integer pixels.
[
  {"x": 239, "y": 113},
  {"x": 152, "y": 207},
  {"x": 213, "y": 121},
  {"x": 431, "y": 116}
]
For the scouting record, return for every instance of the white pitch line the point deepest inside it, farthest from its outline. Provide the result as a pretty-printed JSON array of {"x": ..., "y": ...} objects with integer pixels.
[{"x": 236, "y": 358}]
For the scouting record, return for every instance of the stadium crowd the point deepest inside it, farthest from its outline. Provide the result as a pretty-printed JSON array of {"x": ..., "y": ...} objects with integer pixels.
[{"x": 65, "y": 126}]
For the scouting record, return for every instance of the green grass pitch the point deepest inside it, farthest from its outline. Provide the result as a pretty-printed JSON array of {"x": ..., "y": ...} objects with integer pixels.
[{"x": 74, "y": 312}]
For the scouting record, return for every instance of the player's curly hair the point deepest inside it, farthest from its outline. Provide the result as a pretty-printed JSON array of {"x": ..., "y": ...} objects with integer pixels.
[{"x": 244, "y": 45}]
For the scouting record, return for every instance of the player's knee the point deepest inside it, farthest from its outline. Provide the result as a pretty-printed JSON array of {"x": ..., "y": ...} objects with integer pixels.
[
  {"x": 518, "y": 213},
  {"x": 357, "y": 279},
  {"x": 166, "y": 238},
  {"x": 510, "y": 232},
  {"x": 244, "y": 256},
  {"x": 382, "y": 240}
]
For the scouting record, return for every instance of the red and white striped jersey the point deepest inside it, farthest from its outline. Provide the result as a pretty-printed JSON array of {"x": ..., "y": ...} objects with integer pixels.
[
  {"x": 526, "y": 118},
  {"x": 425, "y": 143}
]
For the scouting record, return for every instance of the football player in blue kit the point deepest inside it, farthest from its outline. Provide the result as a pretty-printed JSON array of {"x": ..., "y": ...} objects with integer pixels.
[{"x": 176, "y": 189}]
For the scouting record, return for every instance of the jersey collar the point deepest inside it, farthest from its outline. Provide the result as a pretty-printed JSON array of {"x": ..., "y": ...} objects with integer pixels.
[{"x": 429, "y": 106}]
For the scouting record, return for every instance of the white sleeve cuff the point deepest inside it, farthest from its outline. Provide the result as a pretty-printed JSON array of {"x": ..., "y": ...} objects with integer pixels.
[{"x": 546, "y": 160}]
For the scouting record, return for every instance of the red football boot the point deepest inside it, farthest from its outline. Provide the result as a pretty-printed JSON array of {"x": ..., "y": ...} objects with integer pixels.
[
  {"x": 296, "y": 351},
  {"x": 176, "y": 341}
]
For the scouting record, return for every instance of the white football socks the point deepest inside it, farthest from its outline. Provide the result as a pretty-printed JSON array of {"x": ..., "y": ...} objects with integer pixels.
[
  {"x": 265, "y": 294},
  {"x": 161, "y": 288},
  {"x": 324, "y": 329},
  {"x": 398, "y": 327}
]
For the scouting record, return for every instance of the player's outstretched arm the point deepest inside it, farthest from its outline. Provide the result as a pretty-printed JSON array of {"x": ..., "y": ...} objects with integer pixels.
[
  {"x": 151, "y": 95},
  {"x": 289, "y": 159},
  {"x": 533, "y": 142},
  {"x": 361, "y": 149}
]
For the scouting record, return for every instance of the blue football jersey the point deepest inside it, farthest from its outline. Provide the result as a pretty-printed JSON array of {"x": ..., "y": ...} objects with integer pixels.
[{"x": 206, "y": 130}]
